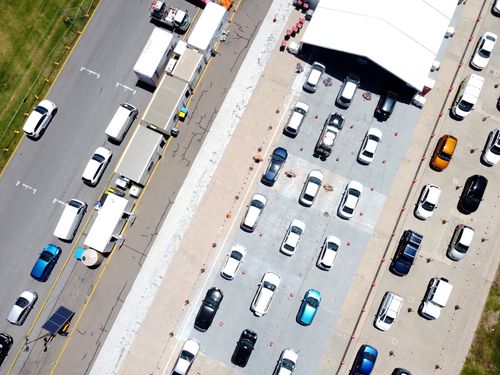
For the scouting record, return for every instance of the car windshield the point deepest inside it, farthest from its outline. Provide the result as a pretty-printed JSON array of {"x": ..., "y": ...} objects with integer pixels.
[
  {"x": 45, "y": 256},
  {"x": 289, "y": 247},
  {"x": 268, "y": 285},
  {"x": 296, "y": 230},
  {"x": 428, "y": 206},
  {"x": 187, "y": 356},
  {"x": 257, "y": 204},
  {"x": 312, "y": 302},
  {"x": 465, "y": 106},
  {"x": 387, "y": 319},
  {"x": 444, "y": 156},
  {"x": 461, "y": 248},
  {"x": 41, "y": 110},
  {"x": 347, "y": 209},
  {"x": 495, "y": 149},
  {"x": 300, "y": 110},
  {"x": 98, "y": 158},
  {"x": 354, "y": 192},
  {"x": 374, "y": 138},
  {"x": 287, "y": 364},
  {"x": 484, "y": 53},
  {"x": 367, "y": 153},
  {"x": 315, "y": 180},
  {"x": 22, "y": 302},
  {"x": 332, "y": 246}
]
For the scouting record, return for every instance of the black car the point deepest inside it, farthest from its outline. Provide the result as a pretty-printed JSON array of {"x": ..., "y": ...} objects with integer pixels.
[
  {"x": 5, "y": 345},
  {"x": 406, "y": 253},
  {"x": 472, "y": 194},
  {"x": 385, "y": 106},
  {"x": 244, "y": 348},
  {"x": 208, "y": 309},
  {"x": 278, "y": 159}
]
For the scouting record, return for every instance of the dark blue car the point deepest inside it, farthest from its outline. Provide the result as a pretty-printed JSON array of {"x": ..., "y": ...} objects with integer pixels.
[
  {"x": 365, "y": 360},
  {"x": 276, "y": 163},
  {"x": 46, "y": 262}
]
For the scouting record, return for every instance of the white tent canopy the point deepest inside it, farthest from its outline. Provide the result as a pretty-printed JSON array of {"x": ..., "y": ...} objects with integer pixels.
[{"x": 402, "y": 36}]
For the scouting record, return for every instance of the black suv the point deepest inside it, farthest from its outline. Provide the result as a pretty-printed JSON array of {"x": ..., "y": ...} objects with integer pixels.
[
  {"x": 208, "y": 309},
  {"x": 472, "y": 194},
  {"x": 406, "y": 252},
  {"x": 5, "y": 345},
  {"x": 385, "y": 106},
  {"x": 244, "y": 348}
]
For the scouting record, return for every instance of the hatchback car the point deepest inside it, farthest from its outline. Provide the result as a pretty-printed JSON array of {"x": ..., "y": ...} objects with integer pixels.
[
  {"x": 46, "y": 262},
  {"x": 491, "y": 153},
  {"x": 365, "y": 360},
  {"x": 328, "y": 253},
  {"x": 472, "y": 195},
  {"x": 278, "y": 159},
  {"x": 443, "y": 152},
  {"x": 296, "y": 119},
  {"x": 6, "y": 342},
  {"x": 388, "y": 311},
  {"x": 208, "y": 309},
  {"x": 350, "y": 199},
  {"x": 385, "y": 106},
  {"x": 369, "y": 146},
  {"x": 311, "y": 188},
  {"x": 314, "y": 77},
  {"x": 22, "y": 307},
  {"x": 427, "y": 203},
  {"x": 186, "y": 358},
  {"x": 39, "y": 119},
  {"x": 244, "y": 348},
  {"x": 287, "y": 362},
  {"x": 483, "y": 50},
  {"x": 233, "y": 261},
  {"x": 96, "y": 166},
  {"x": 460, "y": 242},
  {"x": 265, "y": 293},
  {"x": 292, "y": 237},
  {"x": 253, "y": 213},
  {"x": 347, "y": 91},
  {"x": 309, "y": 307}
]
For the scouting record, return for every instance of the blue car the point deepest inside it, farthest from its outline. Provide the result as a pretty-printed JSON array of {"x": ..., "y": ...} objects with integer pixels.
[
  {"x": 309, "y": 307},
  {"x": 276, "y": 163},
  {"x": 365, "y": 360},
  {"x": 46, "y": 262}
]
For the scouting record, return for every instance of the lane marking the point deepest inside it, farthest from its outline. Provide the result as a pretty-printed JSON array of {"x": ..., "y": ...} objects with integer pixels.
[
  {"x": 55, "y": 200},
  {"x": 26, "y": 186},
  {"x": 118, "y": 84},
  {"x": 90, "y": 72}
]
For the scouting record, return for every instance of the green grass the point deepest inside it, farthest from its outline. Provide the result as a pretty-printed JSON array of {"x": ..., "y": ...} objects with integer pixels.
[
  {"x": 484, "y": 354},
  {"x": 31, "y": 33}
]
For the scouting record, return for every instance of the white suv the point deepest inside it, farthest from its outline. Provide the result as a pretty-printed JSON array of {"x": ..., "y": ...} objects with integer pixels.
[
  {"x": 460, "y": 242},
  {"x": 39, "y": 119},
  {"x": 264, "y": 296},
  {"x": 254, "y": 211},
  {"x": 436, "y": 297},
  {"x": 314, "y": 77},
  {"x": 388, "y": 311},
  {"x": 311, "y": 188},
  {"x": 427, "y": 203},
  {"x": 328, "y": 253},
  {"x": 296, "y": 119}
]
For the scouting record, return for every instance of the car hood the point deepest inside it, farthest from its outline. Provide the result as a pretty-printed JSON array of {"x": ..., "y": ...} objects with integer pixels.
[
  {"x": 38, "y": 268},
  {"x": 32, "y": 121},
  {"x": 231, "y": 266},
  {"x": 14, "y": 313},
  {"x": 182, "y": 366},
  {"x": 479, "y": 61},
  {"x": 91, "y": 168}
]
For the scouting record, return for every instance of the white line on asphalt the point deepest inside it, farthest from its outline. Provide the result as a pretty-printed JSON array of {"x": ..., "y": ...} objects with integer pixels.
[
  {"x": 90, "y": 71},
  {"x": 26, "y": 187},
  {"x": 125, "y": 87},
  {"x": 58, "y": 201}
]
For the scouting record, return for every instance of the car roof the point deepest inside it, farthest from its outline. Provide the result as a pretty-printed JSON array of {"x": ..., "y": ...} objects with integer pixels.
[
  {"x": 434, "y": 193},
  {"x": 467, "y": 235}
]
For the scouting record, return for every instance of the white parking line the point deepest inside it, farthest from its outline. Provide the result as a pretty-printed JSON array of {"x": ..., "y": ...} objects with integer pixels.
[
  {"x": 55, "y": 200},
  {"x": 26, "y": 187},
  {"x": 118, "y": 84},
  {"x": 90, "y": 72}
]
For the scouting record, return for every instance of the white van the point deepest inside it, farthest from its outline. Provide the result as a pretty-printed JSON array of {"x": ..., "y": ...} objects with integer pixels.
[
  {"x": 70, "y": 220},
  {"x": 467, "y": 96},
  {"x": 436, "y": 297},
  {"x": 121, "y": 121}
]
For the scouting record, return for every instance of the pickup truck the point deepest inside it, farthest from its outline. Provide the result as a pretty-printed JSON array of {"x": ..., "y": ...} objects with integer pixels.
[
  {"x": 329, "y": 135},
  {"x": 172, "y": 17}
]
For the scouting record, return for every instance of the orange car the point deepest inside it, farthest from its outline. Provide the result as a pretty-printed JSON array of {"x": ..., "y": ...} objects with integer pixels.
[{"x": 443, "y": 152}]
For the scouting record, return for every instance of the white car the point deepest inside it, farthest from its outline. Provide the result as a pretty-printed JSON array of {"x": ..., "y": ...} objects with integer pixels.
[
  {"x": 254, "y": 211},
  {"x": 292, "y": 237},
  {"x": 328, "y": 252},
  {"x": 428, "y": 201},
  {"x": 296, "y": 119},
  {"x": 369, "y": 147},
  {"x": 491, "y": 153},
  {"x": 287, "y": 362},
  {"x": 186, "y": 357},
  {"x": 350, "y": 199},
  {"x": 388, "y": 311},
  {"x": 22, "y": 307},
  {"x": 311, "y": 188},
  {"x": 39, "y": 118},
  {"x": 496, "y": 7},
  {"x": 460, "y": 242},
  {"x": 265, "y": 293},
  {"x": 347, "y": 91},
  {"x": 233, "y": 261},
  {"x": 483, "y": 51},
  {"x": 314, "y": 77},
  {"x": 96, "y": 166}
]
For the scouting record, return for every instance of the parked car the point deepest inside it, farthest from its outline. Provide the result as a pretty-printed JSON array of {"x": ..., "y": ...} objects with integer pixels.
[
  {"x": 491, "y": 153},
  {"x": 388, "y": 311},
  {"x": 22, "y": 307},
  {"x": 472, "y": 195},
  {"x": 265, "y": 293},
  {"x": 406, "y": 252},
  {"x": 347, "y": 91},
  {"x": 253, "y": 213},
  {"x": 443, "y": 152},
  {"x": 311, "y": 188},
  {"x": 96, "y": 166},
  {"x": 314, "y": 77},
  {"x": 186, "y": 358},
  {"x": 287, "y": 362},
  {"x": 309, "y": 307},
  {"x": 427, "y": 203},
  {"x": 292, "y": 237},
  {"x": 278, "y": 159},
  {"x": 46, "y": 262},
  {"x": 296, "y": 119},
  {"x": 365, "y": 360},
  {"x": 350, "y": 199},
  {"x": 39, "y": 119},
  {"x": 483, "y": 51},
  {"x": 233, "y": 261},
  {"x": 208, "y": 309},
  {"x": 460, "y": 242},
  {"x": 385, "y": 106},
  {"x": 6, "y": 342},
  {"x": 244, "y": 348},
  {"x": 328, "y": 253},
  {"x": 369, "y": 146},
  {"x": 400, "y": 371},
  {"x": 436, "y": 297}
]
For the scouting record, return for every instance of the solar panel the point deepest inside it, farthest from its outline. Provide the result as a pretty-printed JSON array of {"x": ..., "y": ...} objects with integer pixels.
[{"x": 58, "y": 319}]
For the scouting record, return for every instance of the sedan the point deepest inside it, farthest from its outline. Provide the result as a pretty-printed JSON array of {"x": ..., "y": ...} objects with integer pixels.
[
  {"x": 39, "y": 119},
  {"x": 287, "y": 362},
  {"x": 427, "y": 203},
  {"x": 22, "y": 307},
  {"x": 244, "y": 348},
  {"x": 233, "y": 262},
  {"x": 6, "y": 342},
  {"x": 253, "y": 213},
  {"x": 296, "y": 119},
  {"x": 328, "y": 253},
  {"x": 311, "y": 188},
  {"x": 472, "y": 195},
  {"x": 350, "y": 199},
  {"x": 278, "y": 159},
  {"x": 46, "y": 262},
  {"x": 96, "y": 166},
  {"x": 208, "y": 309},
  {"x": 369, "y": 146},
  {"x": 292, "y": 237},
  {"x": 483, "y": 51},
  {"x": 309, "y": 307},
  {"x": 186, "y": 357},
  {"x": 365, "y": 360},
  {"x": 388, "y": 311},
  {"x": 265, "y": 293},
  {"x": 491, "y": 153}
]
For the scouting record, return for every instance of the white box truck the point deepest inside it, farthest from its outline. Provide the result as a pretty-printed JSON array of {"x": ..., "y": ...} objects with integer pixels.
[{"x": 207, "y": 30}]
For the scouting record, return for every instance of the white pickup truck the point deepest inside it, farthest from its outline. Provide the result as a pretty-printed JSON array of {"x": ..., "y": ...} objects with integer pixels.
[{"x": 172, "y": 17}]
